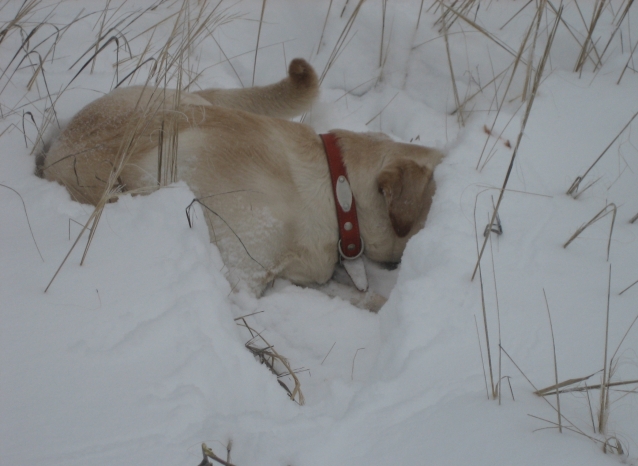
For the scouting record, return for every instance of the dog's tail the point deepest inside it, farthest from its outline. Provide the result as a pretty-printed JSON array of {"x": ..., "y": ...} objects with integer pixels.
[{"x": 286, "y": 99}]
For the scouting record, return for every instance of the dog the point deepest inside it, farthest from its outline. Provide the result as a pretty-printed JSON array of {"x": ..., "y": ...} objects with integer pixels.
[{"x": 263, "y": 181}]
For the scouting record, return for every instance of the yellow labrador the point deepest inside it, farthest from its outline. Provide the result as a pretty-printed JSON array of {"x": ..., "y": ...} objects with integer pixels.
[{"x": 263, "y": 181}]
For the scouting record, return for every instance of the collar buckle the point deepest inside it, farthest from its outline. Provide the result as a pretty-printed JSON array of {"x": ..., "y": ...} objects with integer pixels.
[{"x": 350, "y": 258}]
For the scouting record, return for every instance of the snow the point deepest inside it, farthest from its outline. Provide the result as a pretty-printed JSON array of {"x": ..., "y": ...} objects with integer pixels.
[{"x": 135, "y": 357}]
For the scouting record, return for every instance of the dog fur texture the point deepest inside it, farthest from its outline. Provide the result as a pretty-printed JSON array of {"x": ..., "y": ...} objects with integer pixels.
[{"x": 262, "y": 180}]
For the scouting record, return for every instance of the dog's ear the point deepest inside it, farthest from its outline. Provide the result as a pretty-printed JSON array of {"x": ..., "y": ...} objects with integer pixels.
[{"x": 403, "y": 184}]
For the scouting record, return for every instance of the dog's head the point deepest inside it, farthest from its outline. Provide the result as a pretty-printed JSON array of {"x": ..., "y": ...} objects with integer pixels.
[
  {"x": 393, "y": 186},
  {"x": 403, "y": 184}
]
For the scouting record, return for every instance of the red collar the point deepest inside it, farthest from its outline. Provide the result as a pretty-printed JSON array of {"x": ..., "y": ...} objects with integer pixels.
[{"x": 350, "y": 243}]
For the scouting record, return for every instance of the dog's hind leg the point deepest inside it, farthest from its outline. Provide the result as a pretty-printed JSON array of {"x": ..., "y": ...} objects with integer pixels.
[{"x": 285, "y": 99}]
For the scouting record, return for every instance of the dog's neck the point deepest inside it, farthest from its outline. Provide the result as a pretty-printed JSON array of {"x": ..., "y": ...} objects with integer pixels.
[{"x": 350, "y": 242}]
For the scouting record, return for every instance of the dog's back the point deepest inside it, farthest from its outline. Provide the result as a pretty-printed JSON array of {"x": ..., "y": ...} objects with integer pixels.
[{"x": 98, "y": 151}]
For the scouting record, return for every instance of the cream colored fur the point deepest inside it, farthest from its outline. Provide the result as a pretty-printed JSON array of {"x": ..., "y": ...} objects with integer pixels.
[{"x": 263, "y": 181}]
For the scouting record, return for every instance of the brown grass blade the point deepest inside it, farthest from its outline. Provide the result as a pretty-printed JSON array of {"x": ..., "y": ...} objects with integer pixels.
[{"x": 537, "y": 81}]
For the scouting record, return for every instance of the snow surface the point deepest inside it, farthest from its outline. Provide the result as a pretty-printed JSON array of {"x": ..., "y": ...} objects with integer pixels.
[{"x": 135, "y": 358}]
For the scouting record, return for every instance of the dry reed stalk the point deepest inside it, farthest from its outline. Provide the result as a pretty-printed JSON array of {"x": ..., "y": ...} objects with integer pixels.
[
  {"x": 27, "y": 7},
  {"x": 603, "y": 213},
  {"x": 628, "y": 287},
  {"x": 617, "y": 447},
  {"x": 329, "y": 351},
  {"x": 587, "y": 44},
  {"x": 261, "y": 20},
  {"x": 606, "y": 383},
  {"x": 619, "y": 22},
  {"x": 586, "y": 388},
  {"x": 113, "y": 188},
  {"x": 631, "y": 55},
  {"x": 624, "y": 11},
  {"x": 498, "y": 319},
  {"x": 384, "y": 107},
  {"x": 345, "y": 5},
  {"x": 613, "y": 357},
  {"x": 573, "y": 189},
  {"x": 384, "y": 6},
  {"x": 387, "y": 49},
  {"x": 591, "y": 410},
  {"x": 49, "y": 115},
  {"x": 323, "y": 30},
  {"x": 464, "y": 8},
  {"x": 603, "y": 413},
  {"x": 480, "y": 90},
  {"x": 111, "y": 191},
  {"x": 569, "y": 29},
  {"x": 228, "y": 61},
  {"x": 341, "y": 41},
  {"x": 24, "y": 130},
  {"x": 572, "y": 427},
  {"x": 589, "y": 185},
  {"x": 516, "y": 14},
  {"x": 517, "y": 60},
  {"x": 353, "y": 359},
  {"x": 418, "y": 19},
  {"x": 208, "y": 209},
  {"x": 487, "y": 336},
  {"x": 101, "y": 30},
  {"x": 184, "y": 33},
  {"x": 355, "y": 88},
  {"x": 208, "y": 453},
  {"x": 478, "y": 337},
  {"x": 268, "y": 356},
  {"x": 537, "y": 81},
  {"x": 170, "y": 65},
  {"x": 552, "y": 388},
  {"x": 490, "y": 132},
  {"x": 24, "y": 207},
  {"x": 530, "y": 64},
  {"x": 452, "y": 77},
  {"x": 23, "y": 47},
  {"x": 551, "y": 327},
  {"x": 478, "y": 28}
]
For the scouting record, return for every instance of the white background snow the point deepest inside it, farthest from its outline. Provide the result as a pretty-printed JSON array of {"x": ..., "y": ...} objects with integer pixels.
[{"x": 134, "y": 358}]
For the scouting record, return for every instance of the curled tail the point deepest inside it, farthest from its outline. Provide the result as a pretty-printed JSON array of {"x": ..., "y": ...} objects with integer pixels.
[{"x": 285, "y": 99}]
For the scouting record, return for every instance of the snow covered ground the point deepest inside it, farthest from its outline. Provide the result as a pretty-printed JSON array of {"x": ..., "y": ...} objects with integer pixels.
[{"x": 136, "y": 358}]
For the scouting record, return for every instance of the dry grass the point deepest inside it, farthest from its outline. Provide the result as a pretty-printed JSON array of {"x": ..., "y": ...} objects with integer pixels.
[
  {"x": 26, "y": 215},
  {"x": 494, "y": 387},
  {"x": 610, "y": 443},
  {"x": 533, "y": 75},
  {"x": 536, "y": 84},
  {"x": 261, "y": 21},
  {"x": 210, "y": 454},
  {"x": 573, "y": 189},
  {"x": 588, "y": 44},
  {"x": 267, "y": 355},
  {"x": 551, "y": 327},
  {"x": 170, "y": 67},
  {"x": 342, "y": 40},
  {"x": 569, "y": 425},
  {"x": 608, "y": 209}
]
